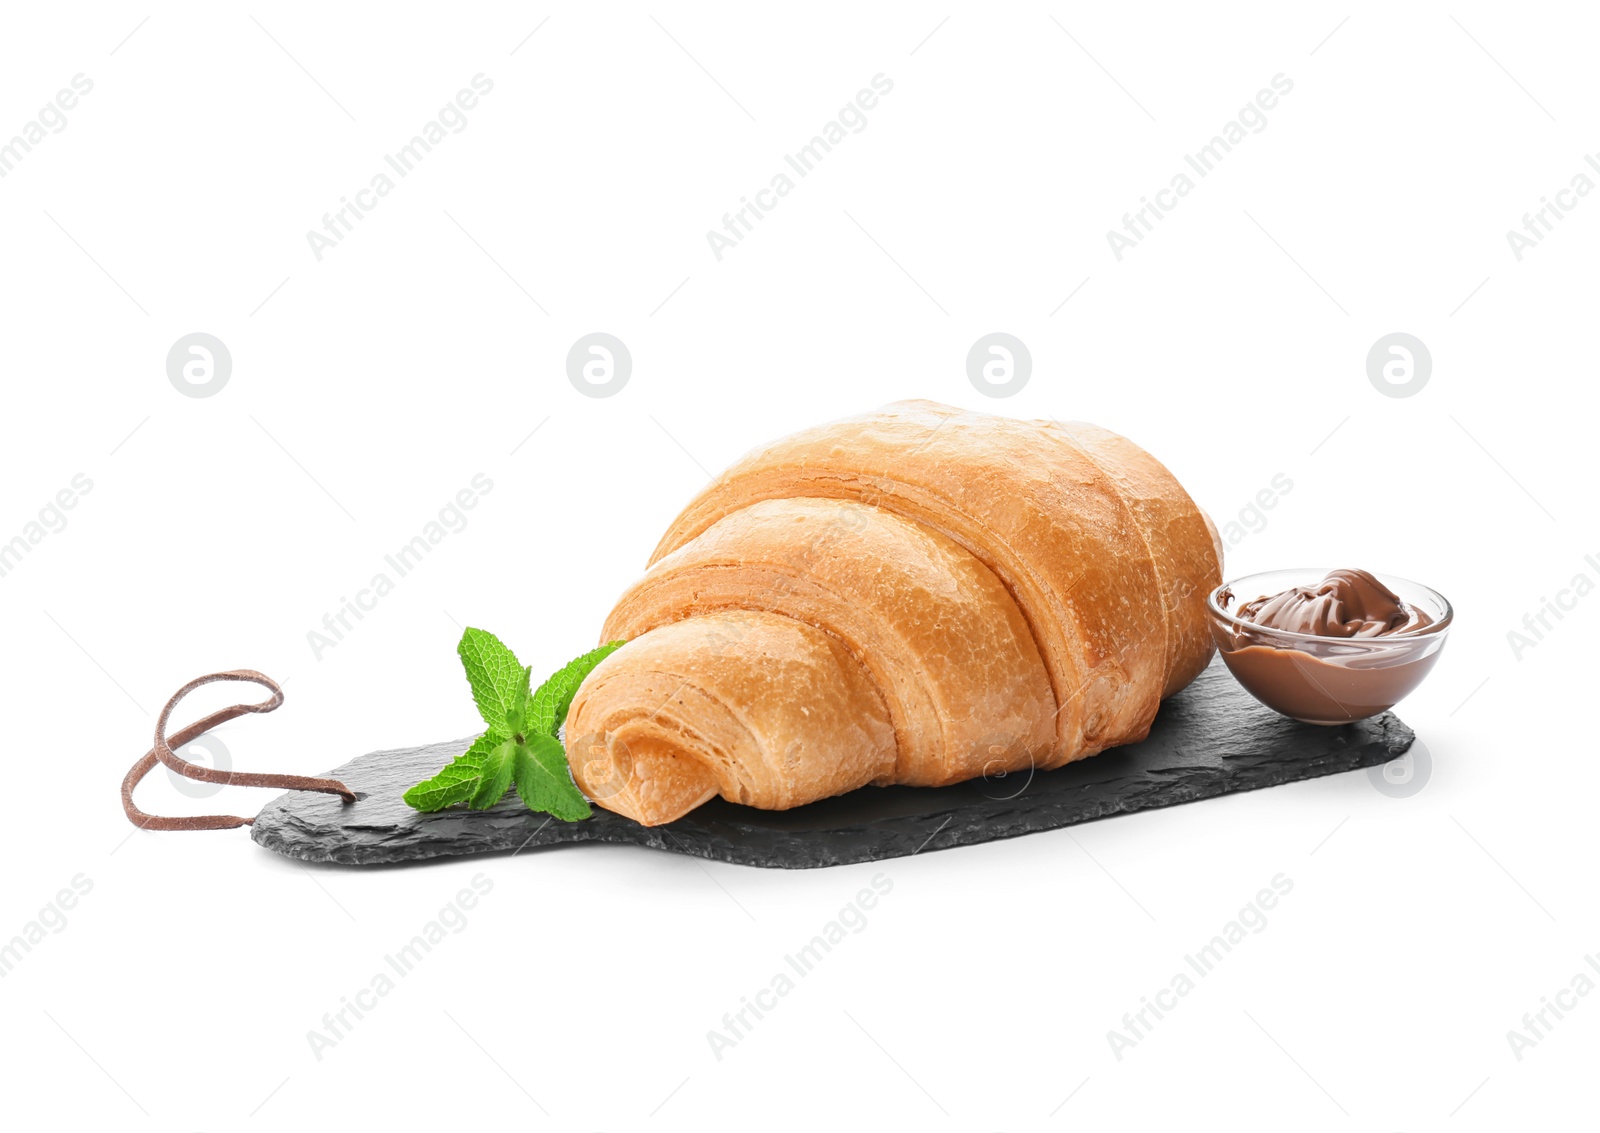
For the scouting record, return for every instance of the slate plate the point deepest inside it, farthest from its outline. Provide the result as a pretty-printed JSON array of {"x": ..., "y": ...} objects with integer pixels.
[{"x": 1211, "y": 739}]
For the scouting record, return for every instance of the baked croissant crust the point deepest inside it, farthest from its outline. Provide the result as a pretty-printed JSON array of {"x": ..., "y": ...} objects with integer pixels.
[{"x": 920, "y": 595}]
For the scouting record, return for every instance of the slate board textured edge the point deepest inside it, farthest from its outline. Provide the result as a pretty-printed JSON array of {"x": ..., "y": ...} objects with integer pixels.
[{"x": 1209, "y": 740}]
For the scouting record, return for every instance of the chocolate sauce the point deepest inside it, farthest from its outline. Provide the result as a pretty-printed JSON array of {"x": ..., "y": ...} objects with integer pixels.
[{"x": 1347, "y": 603}]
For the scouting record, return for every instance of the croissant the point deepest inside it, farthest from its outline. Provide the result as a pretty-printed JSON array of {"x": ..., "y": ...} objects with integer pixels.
[{"x": 920, "y": 595}]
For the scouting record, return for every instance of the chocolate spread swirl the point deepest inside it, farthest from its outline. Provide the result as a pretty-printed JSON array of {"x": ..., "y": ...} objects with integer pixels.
[{"x": 1347, "y": 603}]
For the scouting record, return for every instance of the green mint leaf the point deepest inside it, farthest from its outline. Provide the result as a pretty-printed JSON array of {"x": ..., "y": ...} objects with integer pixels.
[
  {"x": 498, "y": 767},
  {"x": 544, "y": 782},
  {"x": 495, "y": 674},
  {"x": 458, "y": 781},
  {"x": 481, "y": 775},
  {"x": 548, "y": 709},
  {"x": 516, "y": 721}
]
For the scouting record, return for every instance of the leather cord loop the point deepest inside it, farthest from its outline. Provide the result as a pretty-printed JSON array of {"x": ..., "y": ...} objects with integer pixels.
[{"x": 163, "y": 752}]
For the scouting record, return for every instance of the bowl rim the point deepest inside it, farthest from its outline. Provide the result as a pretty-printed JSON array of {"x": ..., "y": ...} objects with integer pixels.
[{"x": 1437, "y": 628}]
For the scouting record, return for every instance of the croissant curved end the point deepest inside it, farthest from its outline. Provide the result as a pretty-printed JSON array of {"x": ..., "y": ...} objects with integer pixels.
[{"x": 648, "y": 780}]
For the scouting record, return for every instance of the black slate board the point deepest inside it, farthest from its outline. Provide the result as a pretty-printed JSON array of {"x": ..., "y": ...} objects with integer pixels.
[{"x": 1211, "y": 739}]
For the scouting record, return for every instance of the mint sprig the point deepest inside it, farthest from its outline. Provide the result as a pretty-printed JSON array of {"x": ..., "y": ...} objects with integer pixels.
[{"x": 520, "y": 745}]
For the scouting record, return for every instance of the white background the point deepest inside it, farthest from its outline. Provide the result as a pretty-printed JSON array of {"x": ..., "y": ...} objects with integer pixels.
[{"x": 369, "y": 387}]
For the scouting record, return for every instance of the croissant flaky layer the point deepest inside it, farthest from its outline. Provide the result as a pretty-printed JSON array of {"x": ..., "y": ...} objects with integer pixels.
[{"x": 920, "y": 595}]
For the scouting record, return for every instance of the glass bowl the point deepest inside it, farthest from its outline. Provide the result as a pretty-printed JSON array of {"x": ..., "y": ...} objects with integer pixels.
[{"x": 1325, "y": 680}]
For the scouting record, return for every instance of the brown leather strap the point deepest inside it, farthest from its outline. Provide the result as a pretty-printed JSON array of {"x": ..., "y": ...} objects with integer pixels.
[{"x": 163, "y": 753}]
